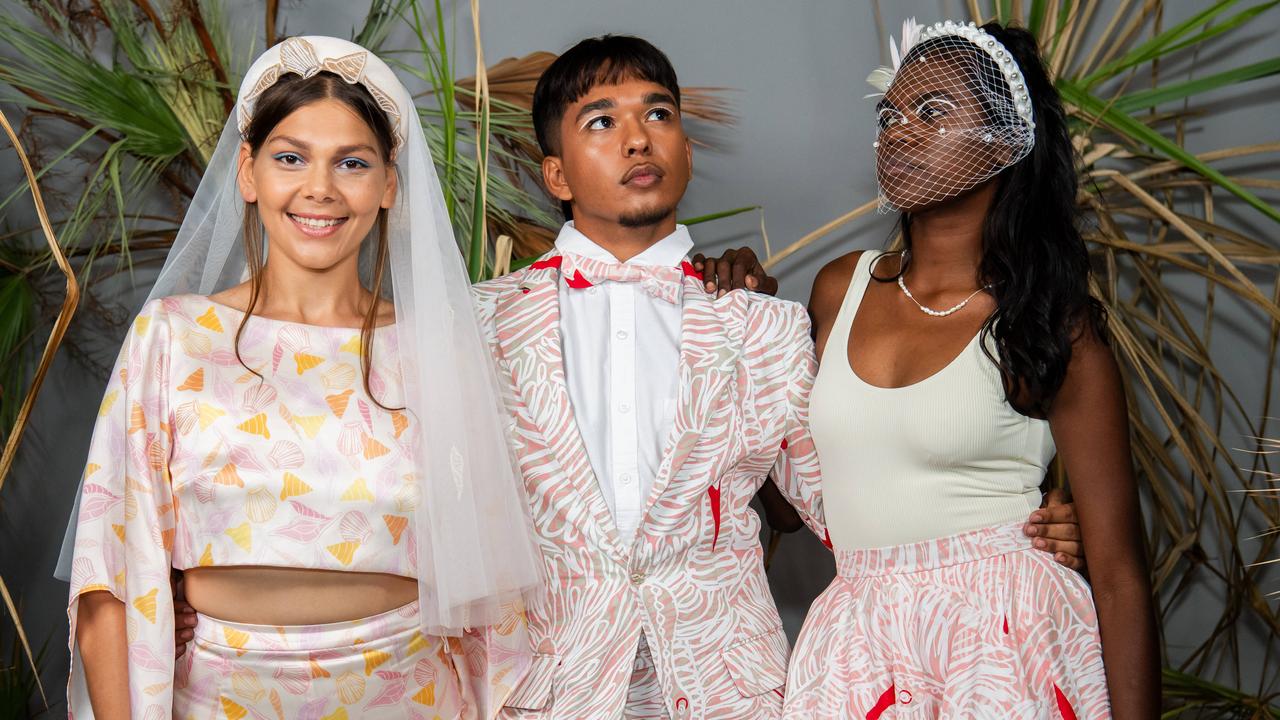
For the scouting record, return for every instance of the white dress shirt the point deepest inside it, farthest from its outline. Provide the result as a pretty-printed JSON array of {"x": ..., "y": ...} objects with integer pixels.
[{"x": 621, "y": 355}]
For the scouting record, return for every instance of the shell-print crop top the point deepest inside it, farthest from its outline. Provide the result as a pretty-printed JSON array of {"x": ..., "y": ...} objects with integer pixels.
[{"x": 197, "y": 461}]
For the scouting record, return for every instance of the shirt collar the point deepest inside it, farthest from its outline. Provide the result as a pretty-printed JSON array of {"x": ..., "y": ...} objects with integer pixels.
[{"x": 667, "y": 252}]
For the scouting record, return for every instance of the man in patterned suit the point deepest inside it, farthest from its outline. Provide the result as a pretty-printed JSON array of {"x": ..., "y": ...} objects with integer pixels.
[{"x": 648, "y": 413}]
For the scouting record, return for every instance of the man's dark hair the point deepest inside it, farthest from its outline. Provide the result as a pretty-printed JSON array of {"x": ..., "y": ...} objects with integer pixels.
[{"x": 603, "y": 60}]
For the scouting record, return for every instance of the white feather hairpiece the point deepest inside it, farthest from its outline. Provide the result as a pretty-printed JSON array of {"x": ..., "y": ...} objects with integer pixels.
[{"x": 882, "y": 77}]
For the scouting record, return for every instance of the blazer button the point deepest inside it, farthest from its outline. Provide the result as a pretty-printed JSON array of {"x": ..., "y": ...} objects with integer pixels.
[{"x": 637, "y": 577}]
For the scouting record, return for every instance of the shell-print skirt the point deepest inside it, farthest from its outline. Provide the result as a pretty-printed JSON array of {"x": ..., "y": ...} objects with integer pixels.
[
  {"x": 376, "y": 667},
  {"x": 977, "y": 625}
]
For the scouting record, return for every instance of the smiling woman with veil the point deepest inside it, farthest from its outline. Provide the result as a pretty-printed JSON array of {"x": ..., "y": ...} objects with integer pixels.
[{"x": 317, "y": 443}]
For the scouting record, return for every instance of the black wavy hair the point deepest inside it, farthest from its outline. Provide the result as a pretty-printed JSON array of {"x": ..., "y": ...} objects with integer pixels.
[
  {"x": 603, "y": 60},
  {"x": 1033, "y": 255}
]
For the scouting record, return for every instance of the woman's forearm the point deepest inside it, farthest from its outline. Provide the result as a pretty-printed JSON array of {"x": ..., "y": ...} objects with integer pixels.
[
  {"x": 100, "y": 635},
  {"x": 1129, "y": 647}
]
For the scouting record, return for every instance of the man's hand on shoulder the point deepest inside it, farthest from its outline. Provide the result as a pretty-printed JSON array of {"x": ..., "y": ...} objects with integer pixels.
[{"x": 735, "y": 270}]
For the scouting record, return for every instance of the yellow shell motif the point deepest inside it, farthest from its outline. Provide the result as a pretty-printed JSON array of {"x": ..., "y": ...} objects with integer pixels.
[
  {"x": 293, "y": 487},
  {"x": 137, "y": 418},
  {"x": 232, "y": 710},
  {"x": 339, "y": 714},
  {"x": 108, "y": 401},
  {"x": 210, "y": 320},
  {"x": 146, "y": 605},
  {"x": 406, "y": 495},
  {"x": 260, "y": 505},
  {"x": 141, "y": 324},
  {"x": 417, "y": 642},
  {"x": 228, "y": 476},
  {"x": 194, "y": 381},
  {"x": 374, "y": 658},
  {"x": 310, "y": 424},
  {"x": 352, "y": 346},
  {"x": 338, "y": 403},
  {"x": 206, "y": 557},
  {"x": 242, "y": 535},
  {"x": 373, "y": 448},
  {"x": 235, "y": 638},
  {"x": 339, "y": 376},
  {"x": 357, "y": 491},
  {"x": 209, "y": 414},
  {"x": 256, "y": 425},
  {"x": 245, "y": 683},
  {"x": 399, "y": 421},
  {"x": 350, "y": 687},
  {"x": 426, "y": 696},
  {"x": 395, "y": 525},
  {"x": 306, "y": 361},
  {"x": 344, "y": 552},
  {"x": 195, "y": 344}
]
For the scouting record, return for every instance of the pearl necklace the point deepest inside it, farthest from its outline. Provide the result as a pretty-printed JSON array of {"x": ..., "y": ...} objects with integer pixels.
[{"x": 939, "y": 313}]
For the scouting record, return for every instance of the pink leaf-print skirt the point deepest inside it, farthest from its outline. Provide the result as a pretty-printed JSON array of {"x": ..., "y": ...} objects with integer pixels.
[{"x": 977, "y": 625}]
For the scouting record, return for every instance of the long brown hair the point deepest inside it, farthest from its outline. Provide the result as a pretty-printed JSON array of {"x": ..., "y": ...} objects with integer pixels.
[{"x": 288, "y": 94}]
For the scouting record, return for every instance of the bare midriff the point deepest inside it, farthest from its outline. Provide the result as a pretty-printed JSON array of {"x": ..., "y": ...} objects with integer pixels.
[{"x": 293, "y": 596}]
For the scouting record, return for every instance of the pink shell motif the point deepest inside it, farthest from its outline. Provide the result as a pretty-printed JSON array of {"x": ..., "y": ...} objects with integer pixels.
[
  {"x": 141, "y": 656},
  {"x": 296, "y": 680},
  {"x": 185, "y": 417},
  {"x": 424, "y": 672},
  {"x": 286, "y": 455},
  {"x": 365, "y": 413},
  {"x": 257, "y": 397},
  {"x": 392, "y": 690},
  {"x": 313, "y": 709},
  {"x": 354, "y": 527},
  {"x": 224, "y": 358},
  {"x": 300, "y": 529},
  {"x": 307, "y": 512},
  {"x": 350, "y": 440},
  {"x": 243, "y": 457},
  {"x": 82, "y": 572},
  {"x": 291, "y": 339},
  {"x": 95, "y": 501}
]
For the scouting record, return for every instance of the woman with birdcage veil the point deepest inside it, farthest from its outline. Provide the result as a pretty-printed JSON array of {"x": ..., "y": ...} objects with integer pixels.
[
  {"x": 305, "y": 420},
  {"x": 972, "y": 357}
]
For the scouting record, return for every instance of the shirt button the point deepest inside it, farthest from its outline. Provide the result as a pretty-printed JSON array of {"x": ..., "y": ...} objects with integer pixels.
[
  {"x": 591, "y": 291},
  {"x": 624, "y": 478},
  {"x": 637, "y": 577},
  {"x": 622, "y": 335},
  {"x": 904, "y": 697},
  {"x": 624, "y": 408}
]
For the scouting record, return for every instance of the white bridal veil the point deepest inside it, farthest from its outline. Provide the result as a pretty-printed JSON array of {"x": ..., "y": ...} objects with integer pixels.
[{"x": 475, "y": 549}]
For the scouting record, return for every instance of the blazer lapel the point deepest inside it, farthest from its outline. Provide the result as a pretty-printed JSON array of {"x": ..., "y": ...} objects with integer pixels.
[
  {"x": 708, "y": 358},
  {"x": 530, "y": 339}
]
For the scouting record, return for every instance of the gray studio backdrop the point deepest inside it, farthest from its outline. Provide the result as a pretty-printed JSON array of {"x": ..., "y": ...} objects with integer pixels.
[{"x": 801, "y": 148}]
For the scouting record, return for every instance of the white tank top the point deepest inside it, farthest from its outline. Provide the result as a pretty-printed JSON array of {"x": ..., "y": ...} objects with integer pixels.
[{"x": 940, "y": 457}]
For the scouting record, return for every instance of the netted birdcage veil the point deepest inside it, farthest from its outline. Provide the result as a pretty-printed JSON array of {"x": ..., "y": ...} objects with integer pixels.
[{"x": 955, "y": 111}]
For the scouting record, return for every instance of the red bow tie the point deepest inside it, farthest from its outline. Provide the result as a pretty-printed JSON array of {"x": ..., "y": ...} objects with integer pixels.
[{"x": 664, "y": 283}]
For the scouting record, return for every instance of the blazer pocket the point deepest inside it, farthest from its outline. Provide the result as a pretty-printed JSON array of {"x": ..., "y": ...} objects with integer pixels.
[
  {"x": 758, "y": 665},
  {"x": 534, "y": 691}
]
